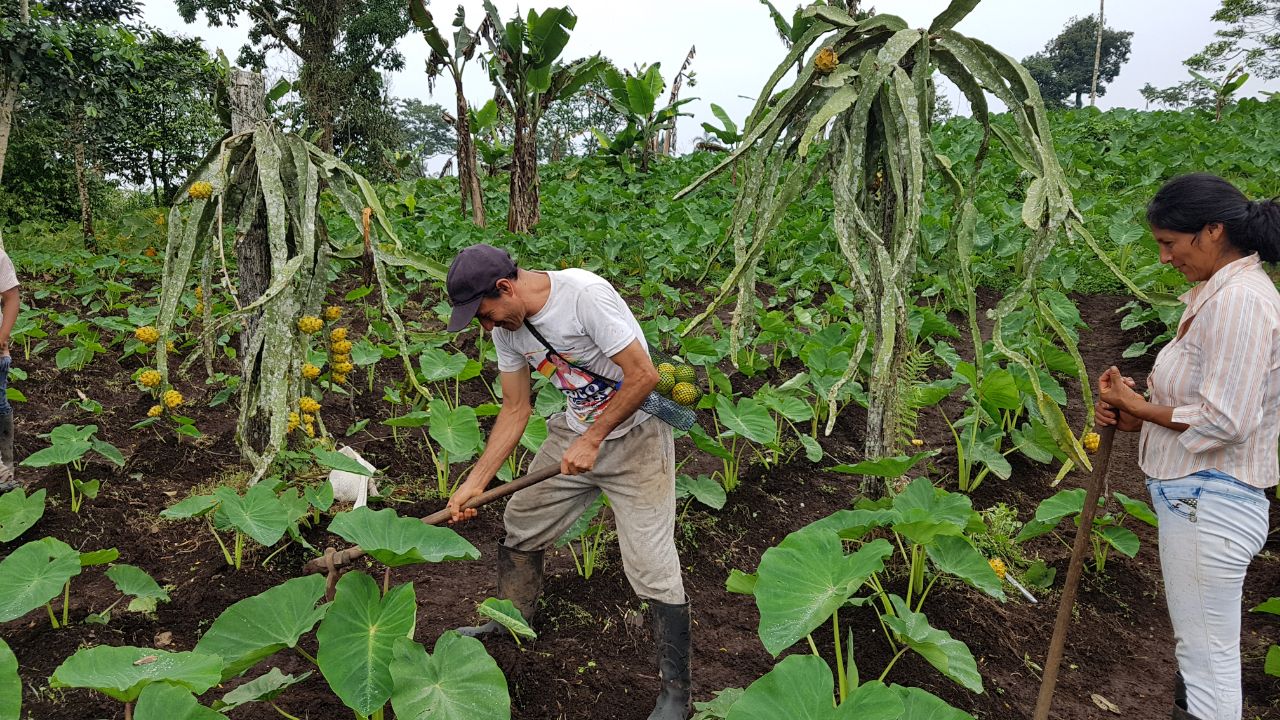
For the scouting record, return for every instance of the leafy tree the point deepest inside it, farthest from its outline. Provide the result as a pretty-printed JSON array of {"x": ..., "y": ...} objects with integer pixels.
[
  {"x": 636, "y": 97},
  {"x": 523, "y": 67},
  {"x": 567, "y": 125},
  {"x": 1251, "y": 40},
  {"x": 425, "y": 131},
  {"x": 1247, "y": 45},
  {"x": 454, "y": 61},
  {"x": 171, "y": 120},
  {"x": 343, "y": 47},
  {"x": 1065, "y": 66}
]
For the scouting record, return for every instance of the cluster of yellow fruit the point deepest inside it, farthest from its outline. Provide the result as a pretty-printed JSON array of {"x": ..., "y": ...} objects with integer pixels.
[
  {"x": 169, "y": 400},
  {"x": 678, "y": 382},
  {"x": 339, "y": 354},
  {"x": 147, "y": 334},
  {"x": 825, "y": 61},
  {"x": 1091, "y": 440},
  {"x": 997, "y": 565},
  {"x": 306, "y": 421},
  {"x": 199, "y": 308},
  {"x": 200, "y": 190}
]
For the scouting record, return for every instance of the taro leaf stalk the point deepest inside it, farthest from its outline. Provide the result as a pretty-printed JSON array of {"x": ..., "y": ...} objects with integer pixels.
[
  {"x": 527, "y": 79},
  {"x": 269, "y": 183},
  {"x": 465, "y": 43},
  {"x": 859, "y": 116}
]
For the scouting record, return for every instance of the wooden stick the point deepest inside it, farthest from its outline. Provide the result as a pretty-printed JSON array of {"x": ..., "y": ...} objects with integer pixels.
[
  {"x": 332, "y": 560},
  {"x": 1050, "y": 678}
]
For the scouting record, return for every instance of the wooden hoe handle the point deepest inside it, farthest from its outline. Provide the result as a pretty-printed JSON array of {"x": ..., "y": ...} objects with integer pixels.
[
  {"x": 1081, "y": 548},
  {"x": 332, "y": 559}
]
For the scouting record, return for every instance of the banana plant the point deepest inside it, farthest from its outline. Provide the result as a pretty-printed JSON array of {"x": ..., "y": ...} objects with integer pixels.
[
  {"x": 859, "y": 116},
  {"x": 525, "y": 72},
  {"x": 442, "y": 58},
  {"x": 636, "y": 97},
  {"x": 729, "y": 133},
  {"x": 493, "y": 151}
]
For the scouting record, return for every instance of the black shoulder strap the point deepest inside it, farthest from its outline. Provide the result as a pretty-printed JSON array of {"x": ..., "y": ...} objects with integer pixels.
[{"x": 538, "y": 336}]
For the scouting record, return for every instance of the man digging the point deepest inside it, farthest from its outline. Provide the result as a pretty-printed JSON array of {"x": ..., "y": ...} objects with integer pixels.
[{"x": 573, "y": 327}]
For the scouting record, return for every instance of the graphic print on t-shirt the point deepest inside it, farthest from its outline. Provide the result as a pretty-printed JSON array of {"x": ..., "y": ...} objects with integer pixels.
[{"x": 588, "y": 396}]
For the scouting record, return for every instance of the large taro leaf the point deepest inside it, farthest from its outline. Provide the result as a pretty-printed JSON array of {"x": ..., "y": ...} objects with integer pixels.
[
  {"x": 926, "y": 512},
  {"x": 854, "y": 524},
  {"x": 58, "y": 454},
  {"x": 135, "y": 582},
  {"x": 260, "y": 626},
  {"x": 18, "y": 512},
  {"x": 10, "y": 684},
  {"x": 194, "y": 506},
  {"x": 801, "y": 688},
  {"x": 950, "y": 656},
  {"x": 805, "y": 579},
  {"x": 394, "y": 541},
  {"x": 1271, "y": 665},
  {"x": 266, "y": 687},
  {"x": 122, "y": 672},
  {"x": 920, "y": 705},
  {"x": 258, "y": 514},
  {"x": 458, "y": 681},
  {"x": 749, "y": 419},
  {"x": 955, "y": 555},
  {"x": 438, "y": 365},
  {"x": 455, "y": 429},
  {"x": 162, "y": 701},
  {"x": 1122, "y": 539},
  {"x": 33, "y": 574},
  {"x": 357, "y": 637}
]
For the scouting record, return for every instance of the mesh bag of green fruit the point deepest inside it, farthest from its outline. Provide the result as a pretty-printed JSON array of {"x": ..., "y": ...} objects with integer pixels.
[{"x": 676, "y": 394}]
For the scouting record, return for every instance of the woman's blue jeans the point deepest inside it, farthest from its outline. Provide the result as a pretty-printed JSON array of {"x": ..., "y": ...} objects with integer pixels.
[{"x": 1211, "y": 526}]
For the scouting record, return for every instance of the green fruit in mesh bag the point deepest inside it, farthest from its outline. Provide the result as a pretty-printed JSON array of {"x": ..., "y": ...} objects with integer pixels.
[
  {"x": 685, "y": 393},
  {"x": 666, "y": 381},
  {"x": 667, "y": 367},
  {"x": 686, "y": 374}
]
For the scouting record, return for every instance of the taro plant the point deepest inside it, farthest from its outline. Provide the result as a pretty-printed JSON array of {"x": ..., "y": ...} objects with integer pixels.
[
  {"x": 35, "y": 574},
  {"x": 128, "y": 674},
  {"x": 259, "y": 514},
  {"x": 68, "y": 446},
  {"x": 804, "y": 582},
  {"x": 10, "y": 683},
  {"x": 1108, "y": 531},
  {"x": 858, "y": 117}
]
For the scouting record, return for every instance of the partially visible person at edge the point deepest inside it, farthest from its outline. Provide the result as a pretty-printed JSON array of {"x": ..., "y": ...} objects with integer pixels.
[
  {"x": 586, "y": 341},
  {"x": 9, "y": 305},
  {"x": 1210, "y": 426}
]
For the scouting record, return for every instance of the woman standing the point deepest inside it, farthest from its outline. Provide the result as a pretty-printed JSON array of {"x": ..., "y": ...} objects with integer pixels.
[{"x": 1210, "y": 427}]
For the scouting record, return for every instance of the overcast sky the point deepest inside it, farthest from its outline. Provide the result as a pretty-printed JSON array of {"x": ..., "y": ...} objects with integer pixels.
[{"x": 738, "y": 46}]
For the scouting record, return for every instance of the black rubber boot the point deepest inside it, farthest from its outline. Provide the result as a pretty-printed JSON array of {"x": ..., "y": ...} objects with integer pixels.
[
  {"x": 671, "y": 633},
  {"x": 8, "y": 471},
  {"x": 1180, "y": 700},
  {"x": 519, "y": 580}
]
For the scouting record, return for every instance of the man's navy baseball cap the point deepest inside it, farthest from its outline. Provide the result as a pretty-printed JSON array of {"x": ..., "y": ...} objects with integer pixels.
[{"x": 473, "y": 273}]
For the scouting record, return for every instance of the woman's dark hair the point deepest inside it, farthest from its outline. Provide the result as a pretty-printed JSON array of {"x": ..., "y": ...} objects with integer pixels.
[{"x": 1189, "y": 202}]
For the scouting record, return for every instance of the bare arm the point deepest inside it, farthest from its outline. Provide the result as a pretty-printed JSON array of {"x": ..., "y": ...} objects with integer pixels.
[
  {"x": 638, "y": 379},
  {"x": 1114, "y": 392},
  {"x": 10, "y": 303},
  {"x": 503, "y": 439}
]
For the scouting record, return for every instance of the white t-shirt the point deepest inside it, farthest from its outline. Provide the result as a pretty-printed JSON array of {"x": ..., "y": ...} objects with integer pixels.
[
  {"x": 8, "y": 276},
  {"x": 587, "y": 322}
]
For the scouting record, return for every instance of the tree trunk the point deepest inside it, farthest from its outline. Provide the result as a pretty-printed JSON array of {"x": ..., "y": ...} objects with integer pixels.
[
  {"x": 1097, "y": 56},
  {"x": 523, "y": 213},
  {"x": 82, "y": 188},
  {"x": 318, "y": 39},
  {"x": 9, "y": 98},
  {"x": 1079, "y": 99},
  {"x": 468, "y": 177},
  {"x": 253, "y": 257}
]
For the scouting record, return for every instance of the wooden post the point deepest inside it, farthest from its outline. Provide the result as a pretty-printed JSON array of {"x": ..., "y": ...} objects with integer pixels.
[{"x": 1097, "y": 56}]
